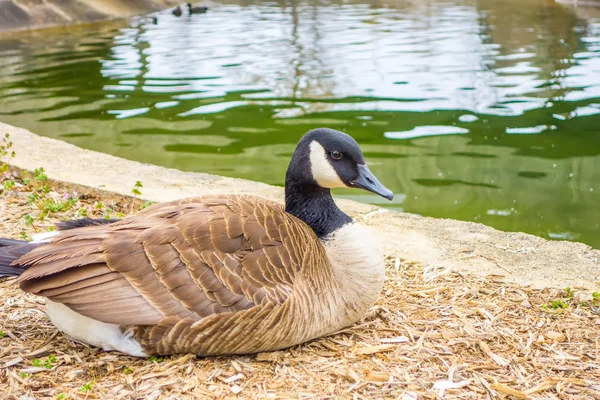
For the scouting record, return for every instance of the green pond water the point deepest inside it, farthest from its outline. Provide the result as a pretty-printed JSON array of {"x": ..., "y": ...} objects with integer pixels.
[{"x": 484, "y": 111}]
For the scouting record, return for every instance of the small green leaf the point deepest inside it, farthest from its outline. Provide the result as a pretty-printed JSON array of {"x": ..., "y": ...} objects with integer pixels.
[
  {"x": 8, "y": 184},
  {"x": 47, "y": 363},
  {"x": 556, "y": 304},
  {"x": 87, "y": 387},
  {"x": 40, "y": 175}
]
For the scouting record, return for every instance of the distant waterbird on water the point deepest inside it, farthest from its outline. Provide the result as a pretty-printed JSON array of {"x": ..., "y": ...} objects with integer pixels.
[{"x": 196, "y": 10}]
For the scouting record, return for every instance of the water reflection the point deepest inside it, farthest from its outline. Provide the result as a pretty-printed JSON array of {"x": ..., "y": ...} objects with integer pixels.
[{"x": 478, "y": 110}]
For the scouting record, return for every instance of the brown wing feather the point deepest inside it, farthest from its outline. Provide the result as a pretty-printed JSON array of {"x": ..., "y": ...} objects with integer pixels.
[{"x": 187, "y": 259}]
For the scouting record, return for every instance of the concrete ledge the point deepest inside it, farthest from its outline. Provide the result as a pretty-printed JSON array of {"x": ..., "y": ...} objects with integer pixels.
[
  {"x": 31, "y": 14},
  {"x": 580, "y": 3},
  {"x": 465, "y": 246}
]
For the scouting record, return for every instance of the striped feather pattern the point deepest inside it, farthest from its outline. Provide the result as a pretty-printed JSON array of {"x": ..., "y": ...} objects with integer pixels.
[{"x": 207, "y": 275}]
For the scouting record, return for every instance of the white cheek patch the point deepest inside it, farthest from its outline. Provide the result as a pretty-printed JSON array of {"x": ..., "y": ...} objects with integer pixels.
[{"x": 322, "y": 171}]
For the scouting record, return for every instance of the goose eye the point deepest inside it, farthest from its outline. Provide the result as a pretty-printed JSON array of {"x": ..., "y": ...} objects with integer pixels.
[{"x": 336, "y": 155}]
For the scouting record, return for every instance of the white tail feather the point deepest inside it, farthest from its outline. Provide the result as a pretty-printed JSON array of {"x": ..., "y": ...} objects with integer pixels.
[{"x": 43, "y": 237}]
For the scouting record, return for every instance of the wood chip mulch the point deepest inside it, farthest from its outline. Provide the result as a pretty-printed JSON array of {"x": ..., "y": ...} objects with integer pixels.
[{"x": 434, "y": 334}]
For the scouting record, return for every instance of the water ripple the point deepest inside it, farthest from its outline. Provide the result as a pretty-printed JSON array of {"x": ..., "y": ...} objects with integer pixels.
[{"x": 464, "y": 109}]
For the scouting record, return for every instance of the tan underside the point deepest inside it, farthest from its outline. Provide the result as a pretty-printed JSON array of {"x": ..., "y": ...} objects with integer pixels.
[
  {"x": 318, "y": 306},
  {"x": 332, "y": 295}
]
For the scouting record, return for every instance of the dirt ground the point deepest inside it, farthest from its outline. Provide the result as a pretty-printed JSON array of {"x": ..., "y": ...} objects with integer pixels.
[{"x": 435, "y": 333}]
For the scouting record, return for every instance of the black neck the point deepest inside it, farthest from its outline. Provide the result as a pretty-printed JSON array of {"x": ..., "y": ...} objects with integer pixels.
[{"x": 311, "y": 203}]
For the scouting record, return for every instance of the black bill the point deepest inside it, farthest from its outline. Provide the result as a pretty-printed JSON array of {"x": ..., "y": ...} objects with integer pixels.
[{"x": 366, "y": 180}]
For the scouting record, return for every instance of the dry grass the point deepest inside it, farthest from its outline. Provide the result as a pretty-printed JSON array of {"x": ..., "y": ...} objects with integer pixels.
[{"x": 433, "y": 334}]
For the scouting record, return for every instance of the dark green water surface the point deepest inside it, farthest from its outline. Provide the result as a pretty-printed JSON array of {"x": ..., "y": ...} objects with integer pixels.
[{"x": 483, "y": 111}]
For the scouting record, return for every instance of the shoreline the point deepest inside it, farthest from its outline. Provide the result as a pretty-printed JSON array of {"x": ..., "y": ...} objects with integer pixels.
[{"x": 466, "y": 247}]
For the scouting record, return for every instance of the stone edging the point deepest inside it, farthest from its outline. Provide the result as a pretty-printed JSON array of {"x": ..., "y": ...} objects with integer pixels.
[{"x": 465, "y": 246}]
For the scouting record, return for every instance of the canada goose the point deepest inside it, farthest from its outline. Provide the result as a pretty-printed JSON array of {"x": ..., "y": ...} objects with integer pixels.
[
  {"x": 196, "y": 10},
  {"x": 215, "y": 274},
  {"x": 177, "y": 11}
]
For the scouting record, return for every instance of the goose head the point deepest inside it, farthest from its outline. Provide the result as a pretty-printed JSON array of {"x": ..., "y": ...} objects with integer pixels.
[
  {"x": 333, "y": 159},
  {"x": 325, "y": 159}
]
